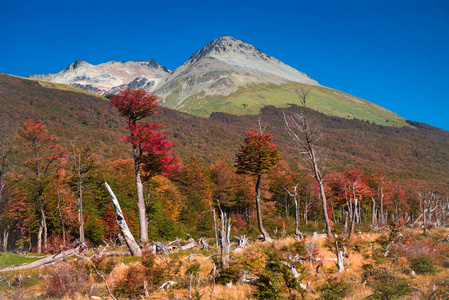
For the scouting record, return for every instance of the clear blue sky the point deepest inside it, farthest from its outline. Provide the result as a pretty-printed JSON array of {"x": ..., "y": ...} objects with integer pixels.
[{"x": 393, "y": 53}]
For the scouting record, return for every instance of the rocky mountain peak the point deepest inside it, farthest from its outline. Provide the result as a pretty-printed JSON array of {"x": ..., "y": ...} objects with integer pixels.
[
  {"x": 227, "y": 45},
  {"x": 78, "y": 63}
]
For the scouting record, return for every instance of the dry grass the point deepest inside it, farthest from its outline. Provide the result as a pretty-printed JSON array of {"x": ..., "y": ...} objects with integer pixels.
[{"x": 207, "y": 290}]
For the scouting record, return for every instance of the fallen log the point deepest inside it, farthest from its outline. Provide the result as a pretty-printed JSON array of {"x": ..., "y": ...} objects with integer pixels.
[
  {"x": 161, "y": 247},
  {"x": 129, "y": 239},
  {"x": 44, "y": 261},
  {"x": 116, "y": 253},
  {"x": 187, "y": 246},
  {"x": 291, "y": 268}
]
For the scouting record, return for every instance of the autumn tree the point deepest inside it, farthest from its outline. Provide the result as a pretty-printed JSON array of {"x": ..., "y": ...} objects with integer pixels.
[
  {"x": 44, "y": 153},
  {"x": 150, "y": 147},
  {"x": 259, "y": 156},
  {"x": 378, "y": 183},
  {"x": 351, "y": 189},
  {"x": 306, "y": 133},
  {"x": 7, "y": 143},
  {"x": 193, "y": 183}
]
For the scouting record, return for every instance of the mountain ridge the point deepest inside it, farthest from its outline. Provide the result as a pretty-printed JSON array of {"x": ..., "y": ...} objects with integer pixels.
[{"x": 226, "y": 75}]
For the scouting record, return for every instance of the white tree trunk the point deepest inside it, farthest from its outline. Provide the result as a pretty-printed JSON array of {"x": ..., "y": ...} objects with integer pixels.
[
  {"x": 129, "y": 239},
  {"x": 143, "y": 222}
]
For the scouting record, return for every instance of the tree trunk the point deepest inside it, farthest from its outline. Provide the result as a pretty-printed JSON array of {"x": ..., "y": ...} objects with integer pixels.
[
  {"x": 80, "y": 211},
  {"x": 215, "y": 227},
  {"x": 44, "y": 224},
  {"x": 354, "y": 216},
  {"x": 340, "y": 258},
  {"x": 42, "y": 229},
  {"x": 373, "y": 215},
  {"x": 265, "y": 234},
  {"x": 41, "y": 262},
  {"x": 140, "y": 200},
  {"x": 5, "y": 238},
  {"x": 382, "y": 215},
  {"x": 225, "y": 244},
  {"x": 60, "y": 216},
  {"x": 39, "y": 238},
  {"x": 129, "y": 239},
  {"x": 345, "y": 233},
  {"x": 324, "y": 203},
  {"x": 297, "y": 232}
]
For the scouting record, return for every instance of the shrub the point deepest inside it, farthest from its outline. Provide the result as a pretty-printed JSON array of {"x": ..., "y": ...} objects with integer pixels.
[
  {"x": 103, "y": 264},
  {"x": 440, "y": 290},
  {"x": 132, "y": 285},
  {"x": 66, "y": 279},
  {"x": 156, "y": 274},
  {"x": 193, "y": 269},
  {"x": 275, "y": 278},
  {"x": 334, "y": 289},
  {"x": 385, "y": 283},
  {"x": 423, "y": 265}
]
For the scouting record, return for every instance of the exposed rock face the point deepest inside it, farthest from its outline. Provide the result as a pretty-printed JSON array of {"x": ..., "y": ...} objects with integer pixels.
[
  {"x": 219, "y": 68},
  {"x": 109, "y": 77}
]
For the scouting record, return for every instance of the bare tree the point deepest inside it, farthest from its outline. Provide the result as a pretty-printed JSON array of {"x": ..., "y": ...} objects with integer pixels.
[
  {"x": 306, "y": 132},
  {"x": 82, "y": 163},
  {"x": 295, "y": 197},
  {"x": 225, "y": 244},
  {"x": 429, "y": 202}
]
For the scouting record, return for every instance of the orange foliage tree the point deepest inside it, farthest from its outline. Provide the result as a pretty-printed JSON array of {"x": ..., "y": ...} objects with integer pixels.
[{"x": 259, "y": 156}]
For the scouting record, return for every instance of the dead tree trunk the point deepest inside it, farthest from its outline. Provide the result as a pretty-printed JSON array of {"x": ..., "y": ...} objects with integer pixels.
[
  {"x": 129, "y": 239},
  {"x": 340, "y": 258},
  {"x": 346, "y": 224},
  {"x": 225, "y": 244},
  {"x": 5, "y": 238},
  {"x": 295, "y": 196},
  {"x": 44, "y": 261},
  {"x": 215, "y": 226},
  {"x": 373, "y": 215},
  {"x": 306, "y": 134}
]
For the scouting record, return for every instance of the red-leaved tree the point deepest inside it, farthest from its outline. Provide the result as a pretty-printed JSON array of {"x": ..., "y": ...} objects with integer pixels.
[
  {"x": 259, "y": 156},
  {"x": 43, "y": 154},
  {"x": 151, "y": 149}
]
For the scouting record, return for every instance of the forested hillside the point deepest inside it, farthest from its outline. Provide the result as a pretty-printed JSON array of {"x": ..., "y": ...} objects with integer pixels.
[
  {"x": 416, "y": 156},
  {"x": 180, "y": 179}
]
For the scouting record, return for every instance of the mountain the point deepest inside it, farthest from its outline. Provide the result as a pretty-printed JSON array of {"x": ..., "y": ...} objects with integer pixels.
[
  {"x": 221, "y": 67},
  {"x": 416, "y": 156},
  {"x": 227, "y": 75},
  {"x": 109, "y": 77}
]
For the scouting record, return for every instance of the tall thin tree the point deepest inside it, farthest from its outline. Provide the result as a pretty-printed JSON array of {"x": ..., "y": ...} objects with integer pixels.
[
  {"x": 306, "y": 133},
  {"x": 150, "y": 147}
]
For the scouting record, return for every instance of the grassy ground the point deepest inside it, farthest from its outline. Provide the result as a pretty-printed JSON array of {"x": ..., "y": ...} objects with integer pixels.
[{"x": 252, "y": 98}]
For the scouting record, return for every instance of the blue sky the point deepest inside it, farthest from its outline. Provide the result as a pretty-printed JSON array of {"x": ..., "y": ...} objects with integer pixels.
[{"x": 393, "y": 53}]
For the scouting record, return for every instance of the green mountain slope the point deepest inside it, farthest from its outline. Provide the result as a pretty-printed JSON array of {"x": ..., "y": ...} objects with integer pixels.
[{"x": 253, "y": 97}]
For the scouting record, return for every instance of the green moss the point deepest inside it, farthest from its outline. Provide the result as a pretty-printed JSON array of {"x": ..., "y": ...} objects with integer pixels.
[{"x": 9, "y": 259}]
